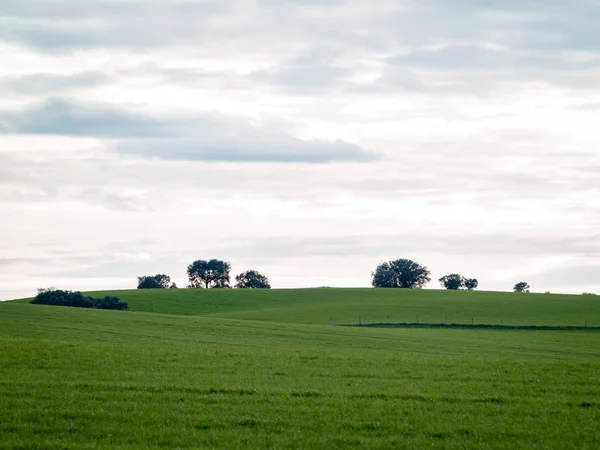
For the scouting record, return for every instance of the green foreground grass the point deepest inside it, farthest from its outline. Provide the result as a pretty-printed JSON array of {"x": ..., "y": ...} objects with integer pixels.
[{"x": 197, "y": 369}]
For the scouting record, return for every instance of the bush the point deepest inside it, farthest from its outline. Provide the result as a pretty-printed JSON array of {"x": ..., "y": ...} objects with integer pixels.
[
  {"x": 401, "y": 273},
  {"x": 158, "y": 281},
  {"x": 251, "y": 279},
  {"x": 110, "y": 302},
  {"x": 75, "y": 299}
]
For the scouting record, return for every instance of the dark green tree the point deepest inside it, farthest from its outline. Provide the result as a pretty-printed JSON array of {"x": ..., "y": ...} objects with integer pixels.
[
  {"x": 158, "y": 281},
  {"x": 76, "y": 299},
  {"x": 471, "y": 283},
  {"x": 522, "y": 287},
  {"x": 251, "y": 279},
  {"x": 453, "y": 281},
  {"x": 401, "y": 273},
  {"x": 212, "y": 273}
]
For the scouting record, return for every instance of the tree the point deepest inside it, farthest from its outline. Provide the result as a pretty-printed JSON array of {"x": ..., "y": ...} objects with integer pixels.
[
  {"x": 453, "y": 281},
  {"x": 209, "y": 274},
  {"x": 158, "y": 281},
  {"x": 522, "y": 287},
  {"x": 76, "y": 299},
  {"x": 401, "y": 273},
  {"x": 251, "y": 279},
  {"x": 471, "y": 283}
]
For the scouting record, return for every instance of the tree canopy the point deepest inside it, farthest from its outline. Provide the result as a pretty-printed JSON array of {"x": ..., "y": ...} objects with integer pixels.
[
  {"x": 401, "y": 273},
  {"x": 158, "y": 281},
  {"x": 452, "y": 282},
  {"x": 522, "y": 286},
  {"x": 471, "y": 283},
  {"x": 212, "y": 273},
  {"x": 455, "y": 281},
  {"x": 76, "y": 299},
  {"x": 251, "y": 279}
]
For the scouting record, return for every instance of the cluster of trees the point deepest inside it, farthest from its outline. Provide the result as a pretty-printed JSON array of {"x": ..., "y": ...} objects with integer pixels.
[
  {"x": 455, "y": 281},
  {"x": 207, "y": 274},
  {"x": 401, "y": 273},
  {"x": 158, "y": 281},
  {"x": 76, "y": 299},
  {"x": 406, "y": 273}
]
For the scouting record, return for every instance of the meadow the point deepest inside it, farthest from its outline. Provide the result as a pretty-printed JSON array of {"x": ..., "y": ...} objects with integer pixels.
[{"x": 263, "y": 369}]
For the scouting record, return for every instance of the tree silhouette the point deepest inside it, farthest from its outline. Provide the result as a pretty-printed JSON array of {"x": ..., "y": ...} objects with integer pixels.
[
  {"x": 453, "y": 281},
  {"x": 158, "y": 281},
  {"x": 401, "y": 273},
  {"x": 471, "y": 283},
  {"x": 212, "y": 273},
  {"x": 251, "y": 279}
]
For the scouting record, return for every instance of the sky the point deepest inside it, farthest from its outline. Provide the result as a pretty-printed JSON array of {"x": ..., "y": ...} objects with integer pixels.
[{"x": 308, "y": 140}]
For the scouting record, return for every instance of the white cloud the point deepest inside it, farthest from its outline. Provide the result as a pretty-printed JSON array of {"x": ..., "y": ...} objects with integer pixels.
[{"x": 139, "y": 137}]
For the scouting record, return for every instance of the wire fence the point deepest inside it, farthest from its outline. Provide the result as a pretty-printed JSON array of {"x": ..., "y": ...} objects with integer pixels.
[{"x": 471, "y": 322}]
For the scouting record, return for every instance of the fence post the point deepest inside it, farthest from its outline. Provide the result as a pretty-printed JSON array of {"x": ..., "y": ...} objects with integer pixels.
[
  {"x": 331, "y": 321},
  {"x": 445, "y": 320},
  {"x": 388, "y": 318}
]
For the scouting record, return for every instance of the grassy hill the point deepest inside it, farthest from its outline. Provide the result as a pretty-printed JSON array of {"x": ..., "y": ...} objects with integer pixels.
[
  {"x": 317, "y": 305},
  {"x": 235, "y": 369}
]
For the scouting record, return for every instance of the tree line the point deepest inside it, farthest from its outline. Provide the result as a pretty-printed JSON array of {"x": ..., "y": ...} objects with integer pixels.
[
  {"x": 75, "y": 299},
  {"x": 213, "y": 273},
  {"x": 400, "y": 273}
]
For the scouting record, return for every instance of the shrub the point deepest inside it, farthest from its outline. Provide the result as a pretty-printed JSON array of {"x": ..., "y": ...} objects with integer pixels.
[
  {"x": 75, "y": 299},
  {"x": 401, "y": 273},
  {"x": 110, "y": 302},
  {"x": 158, "y": 281}
]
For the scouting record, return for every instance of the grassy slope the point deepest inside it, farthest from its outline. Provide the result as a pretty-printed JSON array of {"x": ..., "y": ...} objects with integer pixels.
[
  {"x": 73, "y": 378},
  {"x": 374, "y": 305}
]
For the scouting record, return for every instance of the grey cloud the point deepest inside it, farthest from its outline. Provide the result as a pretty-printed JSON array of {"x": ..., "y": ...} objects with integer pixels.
[
  {"x": 57, "y": 25},
  {"x": 250, "y": 148},
  {"x": 320, "y": 55},
  {"x": 315, "y": 70},
  {"x": 203, "y": 138},
  {"x": 45, "y": 83},
  {"x": 60, "y": 117},
  {"x": 61, "y": 25},
  {"x": 525, "y": 244}
]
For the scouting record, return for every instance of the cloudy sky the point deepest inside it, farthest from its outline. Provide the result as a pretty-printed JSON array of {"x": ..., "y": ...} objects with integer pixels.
[{"x": 310, "y": 140}]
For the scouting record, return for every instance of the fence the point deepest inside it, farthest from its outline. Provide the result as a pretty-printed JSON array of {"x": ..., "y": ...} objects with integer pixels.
[{"x": 470, "y": 322}]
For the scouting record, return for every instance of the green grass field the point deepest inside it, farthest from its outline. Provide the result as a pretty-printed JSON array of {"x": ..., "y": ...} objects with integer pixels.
[
  {"x": 263, "y": 369},
  {"x": 316, "y": 306}
]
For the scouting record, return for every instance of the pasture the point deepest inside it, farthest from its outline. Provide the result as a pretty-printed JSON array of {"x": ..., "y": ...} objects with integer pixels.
[{"x": 263, "y": 369}]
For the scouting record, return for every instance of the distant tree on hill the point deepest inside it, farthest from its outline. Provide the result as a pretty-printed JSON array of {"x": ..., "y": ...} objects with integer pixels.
[
  {"x": 212, "y": 273},
  {"x": 453, "y": 281},
  {"x": 251, "y": 279},
  {"x": 158, "y": 281},
  {"x": 522, "y": 287},
  {"x": 401, "y": 273},
  {"x": 471, "y": 283}
]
